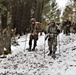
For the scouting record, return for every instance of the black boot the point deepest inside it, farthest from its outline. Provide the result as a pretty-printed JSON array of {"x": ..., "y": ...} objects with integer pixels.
[
  {"x": 29, "y": 49},
  {"x": 50, "y": 53},
  {"x": 53, "y": 55},
  {"x": 33, "y": 49},
  {"x": 30, "y": 44},
  {"x": 34, "y": 45}
]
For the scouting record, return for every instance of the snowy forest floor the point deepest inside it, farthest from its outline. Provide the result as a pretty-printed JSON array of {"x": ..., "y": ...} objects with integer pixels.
[{"x": 23, "y": 62}]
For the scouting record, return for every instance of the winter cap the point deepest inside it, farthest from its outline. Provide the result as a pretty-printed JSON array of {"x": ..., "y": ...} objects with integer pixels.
[
  {"x": 33, "y": 20},
  {"x": 52, "y": 21}
]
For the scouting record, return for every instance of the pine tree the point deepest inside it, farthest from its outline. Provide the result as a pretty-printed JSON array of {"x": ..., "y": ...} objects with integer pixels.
[
  {"x": 54, "y": 8},
  {"x": 46, "y": 11},
  {"x": 67, "y": 13},
  {"x": 70, "y": 11},
  {"x": 57, "y": 17},
  {"x": 51, "y": 10}
]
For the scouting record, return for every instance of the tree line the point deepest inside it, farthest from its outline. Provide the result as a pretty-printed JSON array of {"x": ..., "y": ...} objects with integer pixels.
[{"x": 17, "y": 14}]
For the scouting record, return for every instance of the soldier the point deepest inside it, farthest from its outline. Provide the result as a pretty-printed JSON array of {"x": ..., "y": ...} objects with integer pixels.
[
  {"x": 34, "y": 30},
  {"x": 66, "y": 26},
  {"x": 52, "y": 32}
]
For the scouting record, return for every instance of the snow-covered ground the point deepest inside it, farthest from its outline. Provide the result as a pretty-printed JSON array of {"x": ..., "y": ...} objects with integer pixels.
[{"x": 23, "y": 62}]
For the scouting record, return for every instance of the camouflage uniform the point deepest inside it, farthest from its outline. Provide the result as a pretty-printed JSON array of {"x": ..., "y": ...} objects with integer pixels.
[
  {"x": 34, "y": 30},
  {"x": 73, "y": 27},
  {"x": 52, "y": 32},
  {"x": 66, "y": 26}
]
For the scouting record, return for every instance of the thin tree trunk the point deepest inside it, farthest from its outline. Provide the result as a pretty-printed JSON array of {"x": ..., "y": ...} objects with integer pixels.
[{"x": 1, "y": 39}]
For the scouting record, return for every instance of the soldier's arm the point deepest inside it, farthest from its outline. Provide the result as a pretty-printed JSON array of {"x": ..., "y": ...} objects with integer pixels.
[
  {"x": 58, "y": 30},
  {"x": 46, "y": 30},
  {"x": 46, "y": 36},
  {"x": 29, "y": 29}
]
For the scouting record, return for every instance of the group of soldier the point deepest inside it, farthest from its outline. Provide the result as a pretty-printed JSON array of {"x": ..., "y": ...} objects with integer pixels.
[
  {"x": 68, "y": 27},
  {"x": 51, "y": 31}
]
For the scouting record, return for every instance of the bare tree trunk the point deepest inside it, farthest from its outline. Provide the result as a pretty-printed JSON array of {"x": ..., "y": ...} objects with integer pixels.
[
  {"x": 8, "y": 40},
  {"x": 8, "y": 30},
  {"x": 7, "y": 36},
  {"x": 1, "y": 39}
]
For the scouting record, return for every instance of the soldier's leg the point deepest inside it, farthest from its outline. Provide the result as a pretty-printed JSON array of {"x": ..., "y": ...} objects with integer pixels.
[
  {"x": 55, "y": 45},
  {"x": 30, "y": 42},
  {"x": 50, "y": 46},
  {"x": 35, "y": 42},
  {"x": 64, "y": 30},
  {"x": 54, "y": 48},
  {"x": 68, "y": 30}
]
